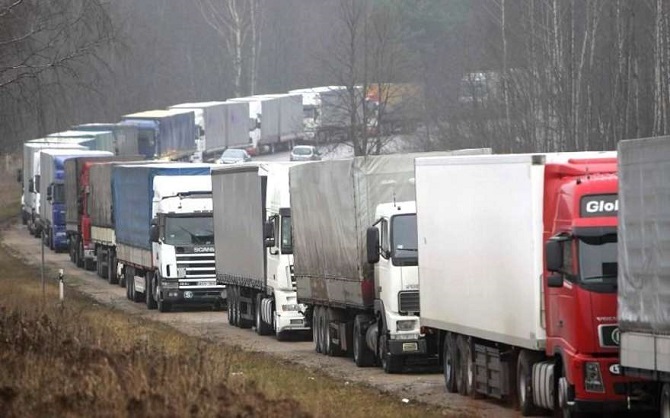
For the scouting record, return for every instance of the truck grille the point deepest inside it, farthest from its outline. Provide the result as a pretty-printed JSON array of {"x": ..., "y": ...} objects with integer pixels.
[
  {"x": 408, "y": 301},
  {"x": 197, "y": 266}
]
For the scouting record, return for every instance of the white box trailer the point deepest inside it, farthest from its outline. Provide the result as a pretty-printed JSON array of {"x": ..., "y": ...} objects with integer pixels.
[{"x": 495, "y": 306}]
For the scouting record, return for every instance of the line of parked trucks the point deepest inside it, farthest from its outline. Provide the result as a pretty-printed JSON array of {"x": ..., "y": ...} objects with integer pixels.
[{"x": 540, "y": 278}]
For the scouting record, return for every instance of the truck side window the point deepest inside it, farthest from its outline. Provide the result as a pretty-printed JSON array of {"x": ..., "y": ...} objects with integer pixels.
[{"x": 384, "y": 237}]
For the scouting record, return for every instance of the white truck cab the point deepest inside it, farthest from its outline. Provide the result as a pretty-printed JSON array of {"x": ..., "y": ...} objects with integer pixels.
[
  {"x": 288, "y": 314},
  {"x": 396, "y": 272},
  {"x": 182, "y": 242}
]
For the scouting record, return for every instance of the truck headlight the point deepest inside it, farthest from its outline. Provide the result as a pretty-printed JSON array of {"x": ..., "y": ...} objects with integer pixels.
[
  {"x": 593, "y": 380},
  {"x": 290, "y": 307},
  {"x": 405, "y": 325}
]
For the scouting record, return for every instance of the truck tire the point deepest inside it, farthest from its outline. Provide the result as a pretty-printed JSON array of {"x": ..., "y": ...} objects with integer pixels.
[
  {"x": 71, "y": 247},
  {"x": 231, "y": 308},
  {"x": 363, "y": 356},
  {"x": 450, "y": 363},
  {"x": 524, "y": 379},
  {"x": 98, "y": 263},
  {"x": 262, "y": 327},
  {"x": 316, "y": 331},
  {"x": 80, "y": 253},
  {"x": 102, "y": 263},
  {"x": 468, "y": 368},
  {"x": 322, "y": 329},
  {"x": 390, "y": 363},
  {"x": 664, "y": 402},
  {"x": 128, "y": 288},
  {"x": 244, "y": 323},
  {"x": 150, "y": 294},
  {"x": 111, "y": 267}
]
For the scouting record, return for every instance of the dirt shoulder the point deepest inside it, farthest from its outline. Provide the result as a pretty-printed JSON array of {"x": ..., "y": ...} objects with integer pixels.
[{"x": 415, "y": 387}]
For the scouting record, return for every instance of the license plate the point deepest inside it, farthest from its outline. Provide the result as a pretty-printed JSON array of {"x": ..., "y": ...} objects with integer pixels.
[
  {"x": 210, "y": 283},
  {"x": 410, "y": 347}
]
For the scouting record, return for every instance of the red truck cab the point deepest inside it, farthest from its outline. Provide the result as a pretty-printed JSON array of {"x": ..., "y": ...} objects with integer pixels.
[{"x": 580, "y": 286}]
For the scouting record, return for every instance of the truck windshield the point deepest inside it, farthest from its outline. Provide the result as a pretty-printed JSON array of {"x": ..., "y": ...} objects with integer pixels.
[
  {"x": 58, "y": 193},
  {"x": 598, "y": 259},
  {"x": 286, "y": 237},
  {"x": 189, "y": 230},
  {"x": 404, "y": 240}
]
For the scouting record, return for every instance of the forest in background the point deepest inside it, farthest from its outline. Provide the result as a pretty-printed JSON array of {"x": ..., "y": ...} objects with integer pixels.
[{"x": 514, "y": 75}]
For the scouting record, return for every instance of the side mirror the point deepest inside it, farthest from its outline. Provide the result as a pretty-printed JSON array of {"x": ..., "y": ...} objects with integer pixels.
[
  {"x": 372, "y": 245},
  {"x": 268, "y": 230},
  {"x": 554, "y": 254},
  {"x": 555, "y": 280},
  {"x": 19, "y": 175},
  {"x": 50, "y": 193},
  {"x": 153, "y": 233},
  {"x": 31, "y": 186}
]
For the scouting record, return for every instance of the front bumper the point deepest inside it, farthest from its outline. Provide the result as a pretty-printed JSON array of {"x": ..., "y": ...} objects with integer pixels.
[
  {"x": 608, "y": 407},
  {"x": 416, "y": 347},
  {"x": 286, "y": 321},
  {"x": 195, "y": 296}
]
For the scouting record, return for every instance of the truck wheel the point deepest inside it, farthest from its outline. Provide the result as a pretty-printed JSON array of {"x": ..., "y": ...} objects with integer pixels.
[
  {"x": 363, "y": 356},
  {"x": 111, "y": 267},
  {"x": 50, "y": 241},
  {"x": 230, "y": 301},
  {"x": 322, "y": 330},
  {"x": 80, "y": 253},
  {"x": 390, "y": 363},
  {"x": 664, "y": 404},
  {"x": 469, "y": 371},
  {"x": 233, "y": 306},
  {"x": 524, "y": 381},
  {"x": 128, "y": 287},
  {"x": 450, "y": 363},
  {"x": 98, "y": 263},
  {"x": 150, "y": 293},
  {"x": 70, "y": 247},
  {"x": 103, "y": 263},
  {"x": 262, "y": 327},
  {"x": 316, "y": 332}
]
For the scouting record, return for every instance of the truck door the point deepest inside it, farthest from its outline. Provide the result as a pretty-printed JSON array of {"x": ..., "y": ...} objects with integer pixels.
[{"x": 561, "y": 307}]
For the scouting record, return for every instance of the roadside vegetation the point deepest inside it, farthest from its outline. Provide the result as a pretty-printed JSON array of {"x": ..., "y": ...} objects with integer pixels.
[{"x": 81, "y": 358}]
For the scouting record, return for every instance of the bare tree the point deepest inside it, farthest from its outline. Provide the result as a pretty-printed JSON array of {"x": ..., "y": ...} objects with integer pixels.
[
  {"x": 48, "y": 47},
  {"x": 235, "y": 21},
  {"x": 368, "y": 56}
]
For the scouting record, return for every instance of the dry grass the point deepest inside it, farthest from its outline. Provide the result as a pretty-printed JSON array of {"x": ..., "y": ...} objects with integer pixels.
[{"x": 84, "y": 359}]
